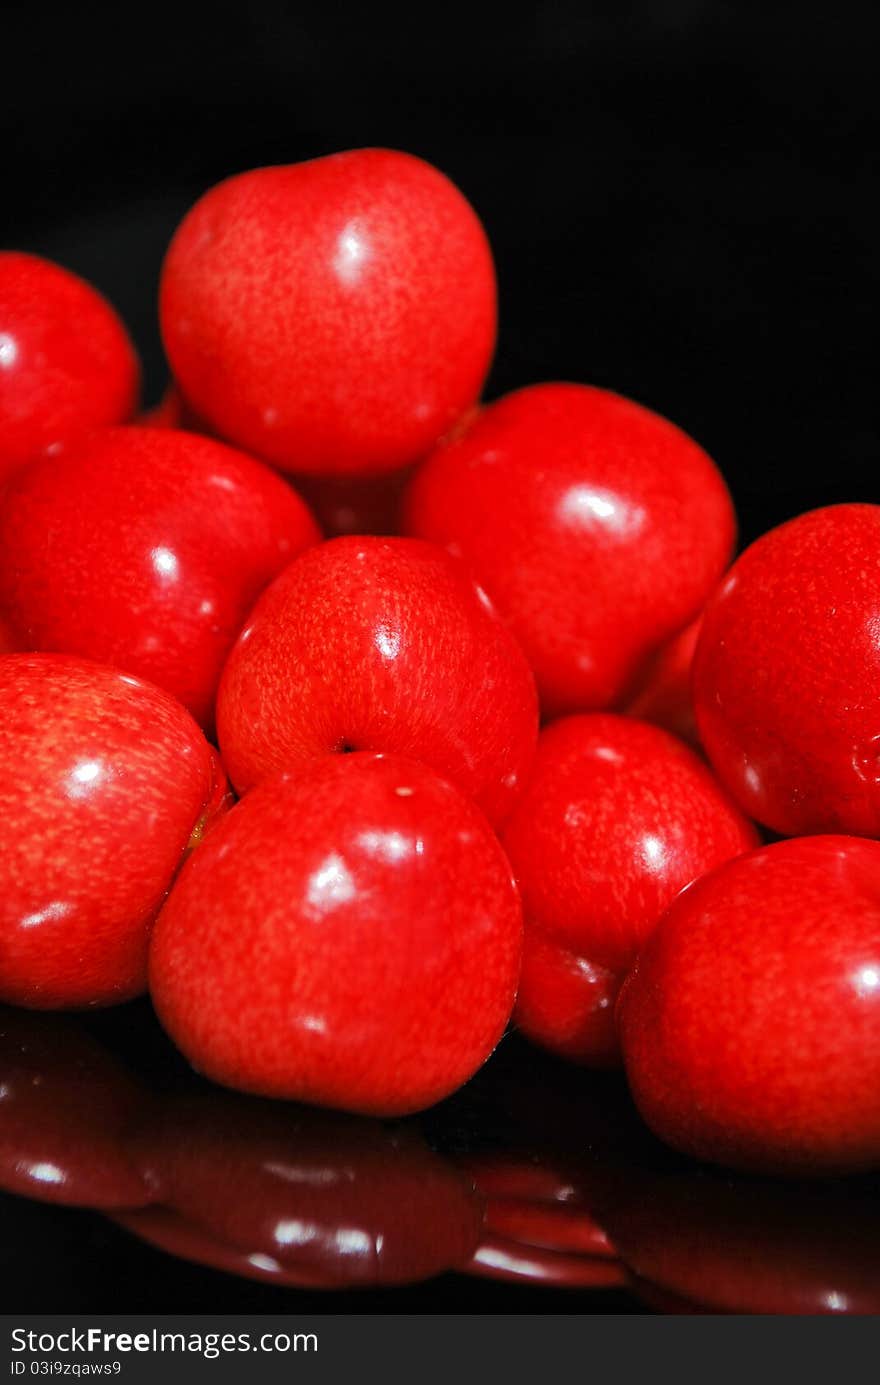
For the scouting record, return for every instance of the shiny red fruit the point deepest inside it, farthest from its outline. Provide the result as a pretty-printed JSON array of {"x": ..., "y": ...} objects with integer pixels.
[
  {"x": 341, "y": 504},
  {"x": 787, "y": 675},
  {"x": 348, "y": 936},
  {"x": 104, "y": 782},
  {"x": 335, "y": 316},
  {"x": 750, "y": 1025},
  {"x": 616, "y": 817},
  {"x": 566, "y": 1003},
  {"x": 597, "y": 527},
  {"x": 66, "y": 361},
  {"x": 145, "y": 548},
  {"x": 386, "y": 645}
]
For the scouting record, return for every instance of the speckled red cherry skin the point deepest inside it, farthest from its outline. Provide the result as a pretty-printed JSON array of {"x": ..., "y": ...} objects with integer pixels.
[
  {"x": 385, "y": 645},
  {"x": 66, "y": 361},
  {"x": 334, "y": 316},
  {"x": 787, "y": 675},
  {"x": 565, "y": 1003},
  {"x": 616, "y": 817},
  {"x": 145, "y": 548},
  {"x": 750, "y": 1024},
  {"x": 341, "y": 504},
  {"x": 104, "y": 780},
  {"x": 597, "y": 527},
  {"x": 349, "y": 936}
]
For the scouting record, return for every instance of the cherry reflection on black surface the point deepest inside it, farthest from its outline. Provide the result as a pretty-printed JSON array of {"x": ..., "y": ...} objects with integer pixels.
[{"x": 536, "y": 1174}]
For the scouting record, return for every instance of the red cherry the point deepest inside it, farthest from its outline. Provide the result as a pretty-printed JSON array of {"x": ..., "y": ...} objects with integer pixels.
[
  {"x": 787, "y": 675},
  {"x": 597, "y": 527},
  {"x": 750, "y": 1025},
  {"x": 66, "y": 361},
  {"x": 664, "y": 697},
  {"x": 341, "y": 504},
  {"x": 566, "y": 1003},
  {"x": 335, "y": 316},
  {"x": 103, "y": 782},
  {"x": 616, "y": 817},
  {"x": 348, "y": 936},
  {"x": 145, "y": 548},
  {"x": 379, "y": 644}
]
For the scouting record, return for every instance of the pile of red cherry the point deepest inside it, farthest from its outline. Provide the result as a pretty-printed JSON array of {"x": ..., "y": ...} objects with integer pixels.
[{"x": 350, "y": 933}]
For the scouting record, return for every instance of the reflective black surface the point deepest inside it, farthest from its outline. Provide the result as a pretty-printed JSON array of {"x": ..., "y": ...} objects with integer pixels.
[
  {"x": 681, "y": 194},
  {"x": 535, "y": 1187}
]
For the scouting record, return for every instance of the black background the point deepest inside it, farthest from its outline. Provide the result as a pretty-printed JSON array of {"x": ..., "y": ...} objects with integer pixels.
[
  {"x": 681, "y": 195},
  {"x": 681, "y": 199}
]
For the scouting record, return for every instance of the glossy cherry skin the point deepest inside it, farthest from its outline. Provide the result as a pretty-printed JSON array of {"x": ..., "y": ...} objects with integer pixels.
[
  {"x": 341, "y": 504},
  {"x": 750, "y": 1024},
  {"x": 385, "y": 645},
  {"x": 145, "y": 548},
  {"x": 565, "y": 1003},
  {"x": 787, "y": 675},
  {"x": 104, "y": 781},
  {"x": 66, "y": 361},
  {"x": 335, "y": 316},
  {"x": 616, "y": 817},
  {"x": 349, "y": 936},
  {"x": 597, "y": 528}
]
